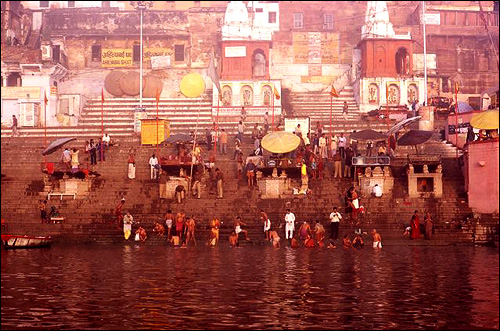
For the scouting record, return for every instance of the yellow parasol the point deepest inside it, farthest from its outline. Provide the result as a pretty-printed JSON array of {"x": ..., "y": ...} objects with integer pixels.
[
  {"x": 487, "y": 120},
  {"x": 280, "y": 142},
  {"x": 192, "y": 85}
]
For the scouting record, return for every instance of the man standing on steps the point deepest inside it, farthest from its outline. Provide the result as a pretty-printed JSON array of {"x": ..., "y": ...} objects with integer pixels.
[
  {"x": 345, "y": 110},
  {"x": 219, "y": 177},
  {"x": 197, "y": 181},
  {"x": 223, "y": 143},
  {"x": 266, "y": 123},
  {"x": 289, "y": 224},
  {"x": 208, "y": 136},
  {"x": 342, "y": 145},
  {"x": 335, "y": 218},
  {"x": 14, "y": 126},
  {"x": 241, "y": 130},
  {"x": 119, "y": 214},
  {"x": 153, "y": 164}
]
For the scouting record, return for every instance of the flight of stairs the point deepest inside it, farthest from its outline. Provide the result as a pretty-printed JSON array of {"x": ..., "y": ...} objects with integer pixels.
[
  {"x": 319, "y": 105},
  {"x": 90, "y": 218}
]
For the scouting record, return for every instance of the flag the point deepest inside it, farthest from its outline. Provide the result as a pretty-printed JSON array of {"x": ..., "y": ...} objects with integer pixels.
[
  {"x": 276, "y": 93},
  {"x": 157, "y": 95},
  {"x": 333, "y": 92},
  {"x": 45, "y": 100},
  {"x": 102, "y": 95},
  {"x": 212, "y": 73}
]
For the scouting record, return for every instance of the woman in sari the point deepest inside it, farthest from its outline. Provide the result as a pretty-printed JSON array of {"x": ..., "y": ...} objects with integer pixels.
[
  {"x": 415, "y": 226},
  {"x": 428, "y": 226}
]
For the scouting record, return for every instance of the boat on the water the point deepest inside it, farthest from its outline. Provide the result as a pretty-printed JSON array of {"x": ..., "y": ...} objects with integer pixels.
[{"x": 14, "y": 241}]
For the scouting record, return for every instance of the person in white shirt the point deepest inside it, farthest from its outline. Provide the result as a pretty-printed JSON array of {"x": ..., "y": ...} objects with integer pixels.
[
  {"x": 241, "y": 130},
  {"x": 333, "y": 145},
  {"x": 153, "y": 163},
  {"x": 289, "y": 224},
  {"x": 106, "y": 139},
  {"x": 377, "y": 191},
  {"x": 335, "y": 218},
  {"x": 342, "y": 145},
  {"x": 322, "y": 147}
]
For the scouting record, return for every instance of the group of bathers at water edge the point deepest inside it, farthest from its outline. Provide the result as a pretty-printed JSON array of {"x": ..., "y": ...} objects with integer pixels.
[{"x": 180, "y": 231}]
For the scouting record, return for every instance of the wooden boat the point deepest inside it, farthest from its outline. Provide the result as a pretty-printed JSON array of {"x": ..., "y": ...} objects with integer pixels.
[{"x": 15, "y": 241}]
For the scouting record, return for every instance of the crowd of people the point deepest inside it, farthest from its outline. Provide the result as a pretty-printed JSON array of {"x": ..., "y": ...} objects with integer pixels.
[{"x": 179, "y": 230}]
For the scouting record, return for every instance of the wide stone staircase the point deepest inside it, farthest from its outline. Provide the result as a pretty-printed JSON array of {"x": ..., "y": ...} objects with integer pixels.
[
  {"x": 89, "y": 218},
  {"x": 317, "y": 106}
]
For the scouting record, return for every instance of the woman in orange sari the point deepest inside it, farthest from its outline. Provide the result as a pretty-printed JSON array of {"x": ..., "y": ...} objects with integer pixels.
[{"x": 415, "y": 226}]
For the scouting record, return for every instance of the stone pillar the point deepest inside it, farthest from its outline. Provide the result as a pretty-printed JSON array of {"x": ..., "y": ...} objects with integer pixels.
[{"x": 426, "y": 123}]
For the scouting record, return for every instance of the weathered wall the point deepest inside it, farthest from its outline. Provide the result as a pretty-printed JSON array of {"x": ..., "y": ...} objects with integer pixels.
[
  {"x": 87, "y": 75},
  {"x": 483, "y": 176},
  {"x": 312, "y": 57}
]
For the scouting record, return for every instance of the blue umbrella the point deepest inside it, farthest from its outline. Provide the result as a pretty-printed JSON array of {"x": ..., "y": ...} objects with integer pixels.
[{"x": 55, "y": 145}]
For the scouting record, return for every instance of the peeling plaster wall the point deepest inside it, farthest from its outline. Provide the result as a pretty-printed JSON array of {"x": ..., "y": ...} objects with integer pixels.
[{"x": 196, "y": 29}]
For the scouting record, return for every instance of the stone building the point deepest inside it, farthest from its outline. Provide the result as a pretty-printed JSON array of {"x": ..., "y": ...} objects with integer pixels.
[
  {"x": 62, "y": 49},
  {"x": 246, "y": 82}
]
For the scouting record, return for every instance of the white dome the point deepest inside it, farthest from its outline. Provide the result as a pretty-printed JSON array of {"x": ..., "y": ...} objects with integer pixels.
[{"x": 236, "y": 12}]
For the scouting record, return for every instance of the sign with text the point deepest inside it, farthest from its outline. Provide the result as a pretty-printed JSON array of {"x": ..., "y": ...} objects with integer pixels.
[
  {"x": 116, "y": 57},
  {"x": 235, "y": 51},
  {"x": 432, "y": 18},
  {"x": 150, "y": 52},
  {"x": 315, "y": 47},
  {"x": 21, "y": 92},
  {"x": 160, "y": 62},
  {"x": 250, "y": 111}
]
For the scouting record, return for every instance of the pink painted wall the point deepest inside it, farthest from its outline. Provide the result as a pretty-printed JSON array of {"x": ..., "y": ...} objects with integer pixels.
[{"x": 483, "y": 181}]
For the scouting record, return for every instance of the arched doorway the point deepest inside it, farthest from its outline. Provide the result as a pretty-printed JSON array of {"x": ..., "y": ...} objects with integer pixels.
[
  {"x": 402, "y": 61},
  {"x": 258, "y": 63}
]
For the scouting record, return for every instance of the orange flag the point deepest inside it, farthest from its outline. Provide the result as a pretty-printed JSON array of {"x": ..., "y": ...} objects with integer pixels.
[
  {"x": 158, "y": 95},
  {"x": 333, "y": 92},
  {"x": 276, "y": 93},
  {"x": 45, "y": 100}
]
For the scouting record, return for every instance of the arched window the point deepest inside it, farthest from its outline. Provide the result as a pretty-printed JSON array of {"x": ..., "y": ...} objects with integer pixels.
[
  {"x": 393, "y": 96},
  {"x": 373, "y": 94},
  {"x": 227, "y": 95},
  {"x": 246, "y": 96},
  {"x": 412, "y": 93},
  {"x": 402, "y": 61},
  {"x": 266, "y": 95},
  {"x": 258, "y": 63}
]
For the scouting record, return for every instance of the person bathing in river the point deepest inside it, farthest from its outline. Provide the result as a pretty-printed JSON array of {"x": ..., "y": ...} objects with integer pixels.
[
  {"x": 273, "y": 236},
  {"x": 377, "y": 240},
  {"x": 159, "y": 229},
  {"x": 233, "y": 240},
  {"x": 190, "y": 227}
]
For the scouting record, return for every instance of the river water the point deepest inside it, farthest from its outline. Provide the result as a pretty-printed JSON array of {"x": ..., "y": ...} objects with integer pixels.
[{"x": 252, "y": 287}]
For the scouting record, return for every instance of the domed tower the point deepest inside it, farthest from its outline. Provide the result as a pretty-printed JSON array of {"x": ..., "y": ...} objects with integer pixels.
[
  {"x": 245, "y": 81},
  {"x": 387, "y": 78}
]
